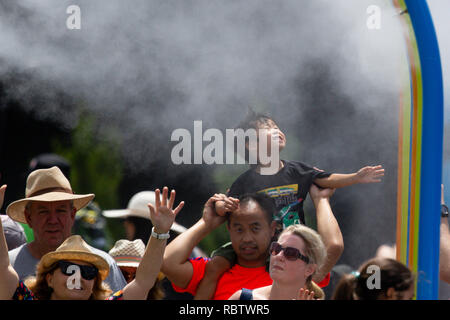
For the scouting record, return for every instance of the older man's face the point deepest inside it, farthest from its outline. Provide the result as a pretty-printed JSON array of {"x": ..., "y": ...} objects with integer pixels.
[
  {"x": 250, "y": 234},
  {"x": 51, "y": 221}
]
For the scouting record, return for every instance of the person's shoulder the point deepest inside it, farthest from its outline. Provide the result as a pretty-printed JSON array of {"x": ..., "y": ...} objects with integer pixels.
[
  {"x": 238, "y": 185},
  {"x": 262, "y": 293},
  {"x": 244, "y": 175},
  {"x": 298, "y": 166},
  {"x": 16, "y": 252},
  {"x": 103, "y": 254}
]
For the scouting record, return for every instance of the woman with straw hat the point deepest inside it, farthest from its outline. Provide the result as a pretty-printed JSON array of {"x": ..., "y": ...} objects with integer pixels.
[{"x": 74, "y": 272}]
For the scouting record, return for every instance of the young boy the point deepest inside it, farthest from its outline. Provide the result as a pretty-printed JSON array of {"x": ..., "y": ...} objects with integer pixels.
[{"x": 288, "y": 187}]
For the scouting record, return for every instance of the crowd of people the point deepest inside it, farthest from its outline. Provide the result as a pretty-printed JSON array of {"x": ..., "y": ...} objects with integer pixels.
[{"x": 272, "y": 254}]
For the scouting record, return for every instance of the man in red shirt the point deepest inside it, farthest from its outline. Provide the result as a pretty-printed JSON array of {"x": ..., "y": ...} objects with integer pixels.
[{"x": 251, "y": 228}]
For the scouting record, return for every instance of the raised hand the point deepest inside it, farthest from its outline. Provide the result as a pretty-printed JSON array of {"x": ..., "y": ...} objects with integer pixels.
[
  {"x": 370, "y": 174},
  {"x": 317, "y": 193},
  {"x": 211, "y": 218},
  {"x": 305, "y": 294},
  {"x": 2, "y": 194},
  {"x": 162, "y": 213}
]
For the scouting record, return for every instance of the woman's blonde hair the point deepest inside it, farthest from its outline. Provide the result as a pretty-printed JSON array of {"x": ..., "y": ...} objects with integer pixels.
[
  {"x": 314, "y": 247},
  {"x": 39, "y": 286}
]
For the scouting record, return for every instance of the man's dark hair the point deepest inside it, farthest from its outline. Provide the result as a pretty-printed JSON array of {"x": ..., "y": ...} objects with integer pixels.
[
  {"x": 142, "y": 226},
  {"x": 264, "y": 201}
]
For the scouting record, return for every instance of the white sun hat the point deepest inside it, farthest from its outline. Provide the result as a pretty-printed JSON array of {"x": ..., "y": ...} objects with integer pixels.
[{"x": 137, "y": 207}]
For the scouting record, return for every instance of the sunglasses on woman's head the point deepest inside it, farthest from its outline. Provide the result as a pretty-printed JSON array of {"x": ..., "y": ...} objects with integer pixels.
[
  {"x": 290, "y": 253},
  {"x": 87, "y": 272}
]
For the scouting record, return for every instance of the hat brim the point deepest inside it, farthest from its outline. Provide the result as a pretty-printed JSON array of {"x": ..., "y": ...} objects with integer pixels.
[
  {"x": 16, "y": 210},
  {"x": 96, "y": 260},
  {"x": 127, "y": 264},
  {"x": 123, "y": 213}
]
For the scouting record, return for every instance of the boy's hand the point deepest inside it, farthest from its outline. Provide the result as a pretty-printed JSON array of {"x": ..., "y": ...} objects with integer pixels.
[
  {"x": 370, "y": 174},
  {"x": 210, "y": 216},
  {"x": 226, "y": 204}
]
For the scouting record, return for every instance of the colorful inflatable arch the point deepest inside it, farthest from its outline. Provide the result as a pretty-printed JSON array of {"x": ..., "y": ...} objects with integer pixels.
[{"x": 420, "y": 150}]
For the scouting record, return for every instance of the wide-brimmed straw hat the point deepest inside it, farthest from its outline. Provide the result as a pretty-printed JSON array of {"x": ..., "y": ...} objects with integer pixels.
[
  {"x": 75, "y": 248},
  {"x": 47, "y": 185},
  {"x": 128, "y": 253}
]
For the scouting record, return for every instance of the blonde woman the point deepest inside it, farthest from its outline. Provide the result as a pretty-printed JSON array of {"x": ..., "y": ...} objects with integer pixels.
[
  {"x": 295, "y": 258},
  {"x": 74, "y": 272}
]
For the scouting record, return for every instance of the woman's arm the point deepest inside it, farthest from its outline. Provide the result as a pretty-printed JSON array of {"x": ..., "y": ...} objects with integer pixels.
[
  {"x": 328, "y": 228},
  {"x": 162, "y": 216},
  {"x": 8, "y": 276}
]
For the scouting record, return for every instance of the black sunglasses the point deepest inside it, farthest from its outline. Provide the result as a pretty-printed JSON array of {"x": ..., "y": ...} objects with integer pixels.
[
  {"x": 87, "y": 272},
  {"x": 290, "y": 253}
]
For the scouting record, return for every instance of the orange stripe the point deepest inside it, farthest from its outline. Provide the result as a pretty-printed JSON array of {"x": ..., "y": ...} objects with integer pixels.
[
  {"x": 413, "y": 163},
  {"x": 399, "y": 180}
]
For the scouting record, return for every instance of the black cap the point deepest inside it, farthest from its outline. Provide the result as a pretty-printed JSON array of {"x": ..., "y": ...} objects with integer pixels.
[{"x": 48, "y": 160}]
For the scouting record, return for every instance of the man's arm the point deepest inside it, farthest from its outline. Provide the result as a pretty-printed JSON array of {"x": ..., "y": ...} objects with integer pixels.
[
  {"x": 8, "y": 276},
  {"x": 328, "y": 228},
  {"x": 368, "y": 174},
  {"x": 176, "y": 265}
]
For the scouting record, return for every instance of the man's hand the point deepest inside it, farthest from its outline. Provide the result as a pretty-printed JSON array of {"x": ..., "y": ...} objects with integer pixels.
[
  {"x": 162, "y": 215},
  {"x": 316, "y": 193},
  {"x": 2, "y": 194},
  {"x": 370, "y": 174}
]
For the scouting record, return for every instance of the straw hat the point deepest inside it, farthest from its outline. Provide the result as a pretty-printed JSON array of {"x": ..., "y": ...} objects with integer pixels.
[
  {"x": 75, "y": 248},
  {"x": 128, "y": 253},
  {"x": 46, "y": 185}
]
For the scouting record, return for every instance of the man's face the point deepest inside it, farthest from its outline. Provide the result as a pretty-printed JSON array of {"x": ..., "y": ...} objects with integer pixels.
[
  {"x": 51, "y": 221},
  {"x": 250, "y": 234}
]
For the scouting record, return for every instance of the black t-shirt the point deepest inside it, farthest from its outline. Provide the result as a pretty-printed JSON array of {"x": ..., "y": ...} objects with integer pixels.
[{"x": 288, "y": 187}]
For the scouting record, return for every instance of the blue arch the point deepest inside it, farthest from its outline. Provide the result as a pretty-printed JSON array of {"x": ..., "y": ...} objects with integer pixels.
[{"x": 432, "y": 140}]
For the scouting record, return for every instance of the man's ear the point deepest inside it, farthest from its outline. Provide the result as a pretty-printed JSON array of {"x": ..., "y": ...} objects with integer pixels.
[
  {"x": 27, "y": 214},
  {"x": 49, "y": 279},
  {"x": 73, "y": 213},
  {"x": 273, "y": 228}
]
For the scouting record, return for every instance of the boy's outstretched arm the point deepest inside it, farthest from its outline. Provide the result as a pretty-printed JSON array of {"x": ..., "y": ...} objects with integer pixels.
[{"x": 369, "y": 174}]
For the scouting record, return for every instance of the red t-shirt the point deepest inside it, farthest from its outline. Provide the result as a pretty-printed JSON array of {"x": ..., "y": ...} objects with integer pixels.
[{"x": 234, "y": 279}]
